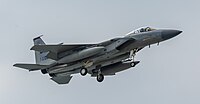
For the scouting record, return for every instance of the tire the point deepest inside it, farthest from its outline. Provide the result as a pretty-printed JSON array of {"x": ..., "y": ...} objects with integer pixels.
[
  {"x": 52, "y": 75},
  {"x": 44, "y": 71},
  {"x": 132, "y": 64},
  {"x": 83, "y": 71},
  {"x": 100, "y": 77}
]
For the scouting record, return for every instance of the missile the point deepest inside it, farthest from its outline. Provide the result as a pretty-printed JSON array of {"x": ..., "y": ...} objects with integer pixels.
[{"x": 81, "y": 54}]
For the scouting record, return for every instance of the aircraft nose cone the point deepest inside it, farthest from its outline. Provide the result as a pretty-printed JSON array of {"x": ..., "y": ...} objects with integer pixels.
[{"x": 167, "y": 34}]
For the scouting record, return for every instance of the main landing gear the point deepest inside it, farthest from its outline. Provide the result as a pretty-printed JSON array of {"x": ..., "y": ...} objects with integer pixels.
[
  {"x": 83, "y": 71},
  {"x": 100, "y": 76}
]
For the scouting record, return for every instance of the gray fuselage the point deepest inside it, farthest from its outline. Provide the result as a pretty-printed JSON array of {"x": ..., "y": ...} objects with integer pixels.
[{"x": 117, "y": 50}]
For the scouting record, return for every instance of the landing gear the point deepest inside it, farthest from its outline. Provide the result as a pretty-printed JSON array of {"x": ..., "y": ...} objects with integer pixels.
[
  {"x": 44, "y": 71},
  {"x": 52, "y": 75},
  {"x": 134, "y": 63},
  {"x": 132, "y": 54},
  {"x": 83, "y": 71},
  {"x": 100, "y": 77},
  {"x": 131, "y": 60}
]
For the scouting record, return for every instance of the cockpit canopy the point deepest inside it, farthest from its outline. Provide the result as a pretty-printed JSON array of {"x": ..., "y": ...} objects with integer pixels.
[{"x": 140, "y": 30}]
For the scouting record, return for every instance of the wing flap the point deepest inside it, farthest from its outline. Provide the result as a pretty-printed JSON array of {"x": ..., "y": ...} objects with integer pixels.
[
  {"x": 30, "y": 67},
  {"x": 62, "y": 79}
]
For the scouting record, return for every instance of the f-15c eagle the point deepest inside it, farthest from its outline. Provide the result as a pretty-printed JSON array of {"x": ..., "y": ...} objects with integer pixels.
[{"x": 102, "y": 59}]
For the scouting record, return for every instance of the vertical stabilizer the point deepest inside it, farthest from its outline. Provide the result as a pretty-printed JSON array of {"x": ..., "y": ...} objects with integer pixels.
[{"x": 39, "y": 56}]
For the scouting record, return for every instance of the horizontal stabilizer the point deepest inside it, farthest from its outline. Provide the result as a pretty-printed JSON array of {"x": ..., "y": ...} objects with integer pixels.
[
  {"x": 30, "y": 67},
  {"x": 62, "y": 79}
]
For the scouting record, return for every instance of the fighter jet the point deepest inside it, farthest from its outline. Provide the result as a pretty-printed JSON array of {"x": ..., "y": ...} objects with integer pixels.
[{"x": 106, "y": 58}]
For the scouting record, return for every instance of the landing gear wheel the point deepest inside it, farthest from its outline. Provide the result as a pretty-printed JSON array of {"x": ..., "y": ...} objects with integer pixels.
[
  {"x": 133, "y": 64},
  {"x": 100, "y": 77},
  {"x": 83, "y": 71},
  {"x": 44, "y": 71},
  {"x": 52, "y": 75}
]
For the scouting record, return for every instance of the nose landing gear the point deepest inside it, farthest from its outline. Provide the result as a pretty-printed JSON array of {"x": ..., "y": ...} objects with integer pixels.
[
  {"x": 133, "y": 64},
  {"x": 131, "y": 58}
]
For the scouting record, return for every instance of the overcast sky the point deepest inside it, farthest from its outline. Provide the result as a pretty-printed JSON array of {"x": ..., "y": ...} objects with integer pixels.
[{"x": 168, "y": 73}]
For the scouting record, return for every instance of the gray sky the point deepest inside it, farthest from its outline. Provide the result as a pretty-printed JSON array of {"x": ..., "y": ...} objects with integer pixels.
[{"x": 167, "y": 74}]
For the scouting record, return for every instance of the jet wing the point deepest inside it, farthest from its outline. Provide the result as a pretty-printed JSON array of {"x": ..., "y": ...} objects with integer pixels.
[
  {"x": 58, "y": 48},
  {"x": 30, "y": 67},
  {"x": 62, "y": 79},
  {"x": 105, "y": 43}
]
